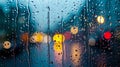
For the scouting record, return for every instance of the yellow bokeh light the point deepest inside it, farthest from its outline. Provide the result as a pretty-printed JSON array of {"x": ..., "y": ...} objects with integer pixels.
[
  {"x": 6, "y": 45},
  {"x": 58, "y": 38},
  {"x": 100, "y": 19},
  {"x": 37, "y": 37},
  {"x": 57, "y": 47},
  {"x": 74, "y": 30}
]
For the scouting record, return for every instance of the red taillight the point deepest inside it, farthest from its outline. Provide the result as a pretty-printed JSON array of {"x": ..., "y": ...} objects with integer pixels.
[{"x": 107, "y": 35}]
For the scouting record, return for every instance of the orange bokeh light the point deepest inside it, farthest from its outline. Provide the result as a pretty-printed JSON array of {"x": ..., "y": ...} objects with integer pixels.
[{"x": 25, "y": 37}]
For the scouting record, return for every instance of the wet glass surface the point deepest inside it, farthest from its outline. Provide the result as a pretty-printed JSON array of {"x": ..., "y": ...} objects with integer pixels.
[{"x": 60, "y": 33}]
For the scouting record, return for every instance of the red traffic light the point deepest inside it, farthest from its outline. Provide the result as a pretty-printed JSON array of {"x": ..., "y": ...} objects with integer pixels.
[{"x": 107, "y": 35}]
